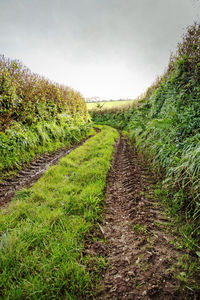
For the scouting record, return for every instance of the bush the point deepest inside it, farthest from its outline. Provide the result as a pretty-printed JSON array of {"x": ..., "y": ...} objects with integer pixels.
[{"x": 29, "y": 98}]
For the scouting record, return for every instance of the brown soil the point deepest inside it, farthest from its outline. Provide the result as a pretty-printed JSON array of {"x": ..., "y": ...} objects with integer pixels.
[
  {"x": 31, "y": 173},
  {"x": 138, "y": 234}
]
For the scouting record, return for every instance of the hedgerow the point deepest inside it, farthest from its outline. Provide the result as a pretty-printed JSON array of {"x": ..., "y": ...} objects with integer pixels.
[
  {"x": 28, "y": 98},
  {"x": 36, "y": 115},
  {"x": 20, "y": 144},
  {"x": 166, "y": 127}
]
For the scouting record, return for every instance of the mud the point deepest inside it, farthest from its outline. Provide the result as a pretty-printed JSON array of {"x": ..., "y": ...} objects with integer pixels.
[
  {"x": 138, "y": 246},
  {"x": 31, "y": 173}
]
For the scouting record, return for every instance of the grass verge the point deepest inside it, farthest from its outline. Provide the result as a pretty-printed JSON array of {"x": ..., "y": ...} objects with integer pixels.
[
  {"x": 20, "y": 143},
  {"x": 44, "y": 228}
]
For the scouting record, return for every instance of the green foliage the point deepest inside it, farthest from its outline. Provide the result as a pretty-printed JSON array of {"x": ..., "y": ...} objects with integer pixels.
[
  {"x": 42, "y": 232},
  {"x": 36, "y": 115},
  {"x": 29, "y": 98},
  {"x": 116, "y": 117},
  {"x": 166, "y": 127},
  {"x": 20, "y": 143}
]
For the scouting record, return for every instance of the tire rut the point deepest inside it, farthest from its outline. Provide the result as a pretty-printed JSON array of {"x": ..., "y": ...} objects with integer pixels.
[
  {"x": 139, "y": 251},
  {"x": 28, "y": 175}
]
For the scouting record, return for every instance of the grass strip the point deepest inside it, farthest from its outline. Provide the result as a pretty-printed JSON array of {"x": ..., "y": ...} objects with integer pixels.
[
  {"x": 44, "y": 228},
  {"x": 20, "y": 144}
]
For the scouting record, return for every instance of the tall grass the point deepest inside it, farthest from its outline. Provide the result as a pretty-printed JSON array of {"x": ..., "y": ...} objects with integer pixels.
[
  {"x": 20, "y": 144},
  {"x": 166, "y": 127}
]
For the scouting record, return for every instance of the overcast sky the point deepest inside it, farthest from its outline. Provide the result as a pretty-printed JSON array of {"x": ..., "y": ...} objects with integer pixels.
[{"x": 106, "y": 48}]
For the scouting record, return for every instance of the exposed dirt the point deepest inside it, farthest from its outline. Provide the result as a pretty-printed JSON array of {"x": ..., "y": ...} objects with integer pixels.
[
  {"x": 139, "y": 242},
  {"x": 29, "y": 174}
]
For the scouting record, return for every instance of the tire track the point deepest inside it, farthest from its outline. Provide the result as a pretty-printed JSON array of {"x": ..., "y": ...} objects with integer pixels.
[
  {"x": 32, "y": 172},
  {"x": 138, "y": 244}
]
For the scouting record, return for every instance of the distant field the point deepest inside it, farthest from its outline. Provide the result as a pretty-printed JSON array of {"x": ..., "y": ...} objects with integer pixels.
[{"x": 107, "y": 104}]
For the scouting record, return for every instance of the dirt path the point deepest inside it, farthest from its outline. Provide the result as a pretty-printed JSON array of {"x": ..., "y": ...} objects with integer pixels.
[
  {"x": 28, "y": 175},
  {"x": 139, "y": 246}
]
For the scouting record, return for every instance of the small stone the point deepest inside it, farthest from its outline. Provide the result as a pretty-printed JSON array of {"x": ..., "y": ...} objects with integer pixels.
[
  {"x": 144, "y": 293},
  {"x": 131, "y": 273}
]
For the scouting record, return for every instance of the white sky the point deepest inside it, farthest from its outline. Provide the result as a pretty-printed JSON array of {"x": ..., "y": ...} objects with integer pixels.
[{"x": 107, "y": 48}]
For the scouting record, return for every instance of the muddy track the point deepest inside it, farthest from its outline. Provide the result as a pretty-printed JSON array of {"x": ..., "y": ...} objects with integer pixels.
[
  {"x": 32, "y": 172},
  {"x": 138, "y": 244}
]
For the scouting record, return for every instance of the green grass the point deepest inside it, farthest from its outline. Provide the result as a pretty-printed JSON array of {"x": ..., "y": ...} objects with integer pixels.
[
  {"x": 107, "y": 104},
  {"x": 165, "y": 126},
  {"x": 20, "y": 143},
  {"x": 140, "y": 228},
  {"x": 44, "y": 228}
]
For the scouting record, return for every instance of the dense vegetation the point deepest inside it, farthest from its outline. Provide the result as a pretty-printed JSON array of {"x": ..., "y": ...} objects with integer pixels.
[
  {"x": 29, "y": 98},
  {"x": 43, "y": 229},
  {"x": 36, "y": 115},
  {"x": 166, "y": 128}
]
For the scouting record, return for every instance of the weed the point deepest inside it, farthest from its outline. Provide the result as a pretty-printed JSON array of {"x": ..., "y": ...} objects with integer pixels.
[
  {"x": 140, "y": 228},
  {"x": 177, "y": 244}
]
